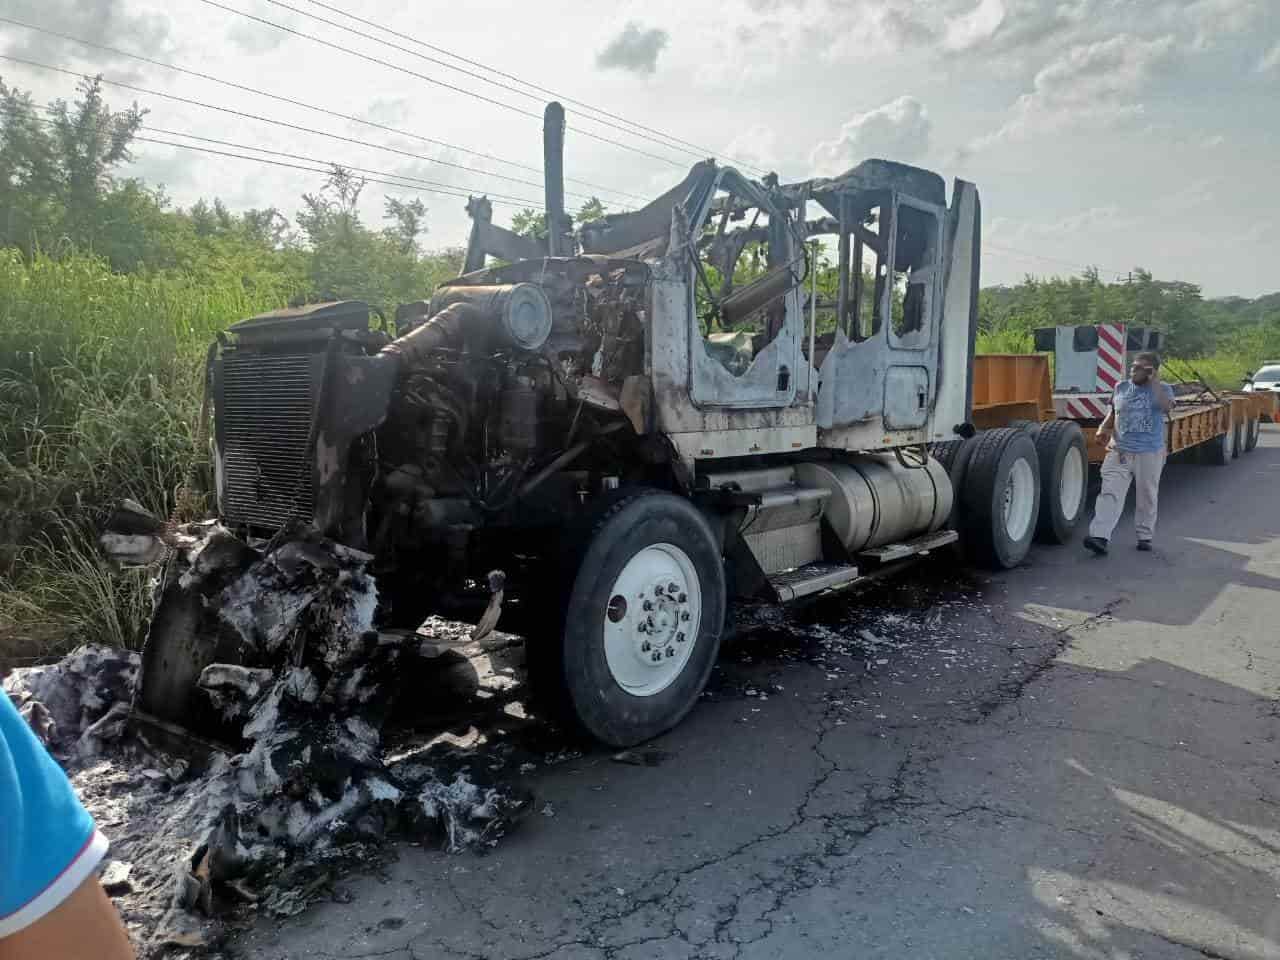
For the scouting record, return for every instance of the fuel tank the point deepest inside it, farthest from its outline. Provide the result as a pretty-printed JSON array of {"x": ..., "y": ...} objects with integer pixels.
[{"x": 876, "y": 500}]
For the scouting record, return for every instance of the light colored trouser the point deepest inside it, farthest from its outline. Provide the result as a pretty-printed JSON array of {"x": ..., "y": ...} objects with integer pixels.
[{"x": 1117, "y": 470}]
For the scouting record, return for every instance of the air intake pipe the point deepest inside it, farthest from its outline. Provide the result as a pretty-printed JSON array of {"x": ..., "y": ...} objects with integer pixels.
[{"x": 478, "y": 317}]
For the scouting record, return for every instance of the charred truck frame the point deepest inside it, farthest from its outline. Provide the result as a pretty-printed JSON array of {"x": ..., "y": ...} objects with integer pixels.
[{"x": 641, "y": 421}]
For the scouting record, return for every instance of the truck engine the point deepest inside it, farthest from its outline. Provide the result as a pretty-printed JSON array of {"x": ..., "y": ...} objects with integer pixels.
[{"x": 491, "y": 407}]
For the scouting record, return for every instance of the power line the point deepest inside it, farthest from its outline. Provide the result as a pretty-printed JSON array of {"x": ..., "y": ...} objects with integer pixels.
[
  {"x": 700, "y": 151},
  {"x": 295, "y": 166},
  {"x": 455, "y": 190},
  {"x": 324, "y": 110},
  {"x": 251, "y": 116},
  {"x": 1036, "y": 256},
  {"x": 630, "y": 128},
  {"x": 433, "y": 80}
]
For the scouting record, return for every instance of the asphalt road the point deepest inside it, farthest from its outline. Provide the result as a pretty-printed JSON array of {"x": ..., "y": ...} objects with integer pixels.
[{"x": 1075, "y": 759}]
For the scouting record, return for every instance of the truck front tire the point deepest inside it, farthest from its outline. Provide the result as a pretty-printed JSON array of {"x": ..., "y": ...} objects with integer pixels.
[{"x": 642, "y": 619}]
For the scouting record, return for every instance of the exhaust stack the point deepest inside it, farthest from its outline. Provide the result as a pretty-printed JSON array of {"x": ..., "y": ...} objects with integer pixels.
[{"x": 559, "y": 230}]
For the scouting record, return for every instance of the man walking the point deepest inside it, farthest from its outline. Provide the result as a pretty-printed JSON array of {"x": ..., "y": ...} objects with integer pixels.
[{"x": 1134, "y": 433}]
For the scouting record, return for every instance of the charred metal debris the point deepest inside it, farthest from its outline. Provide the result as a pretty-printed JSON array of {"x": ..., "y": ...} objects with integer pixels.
[{"x": 279, "y": 779}]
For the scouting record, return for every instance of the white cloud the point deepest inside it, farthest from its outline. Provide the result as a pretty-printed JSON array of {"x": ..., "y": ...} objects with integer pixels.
[
  {"x": 1213, "y": 19},
  {"x": 1196, "y": 195},
  {"x": 255, "y": 38},
  {"x": 388, "y": 110},
  {"x": 978, "y": 25},
  {"x": 757, "y": 146},
  {"x": 1270, "y": 60},
  {"x": 109, "y": 22},
  {"x": 899, "y": 129},
  {"x": 635, "y": 49},
  {"x": 1097, "y": 84}
]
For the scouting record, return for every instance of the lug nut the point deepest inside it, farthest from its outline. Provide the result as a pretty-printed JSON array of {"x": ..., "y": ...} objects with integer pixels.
[
  {"x": 671, "y": 651},
  {"x": 656, "y": 656},
  {"x": 680, "y": 637},
  {"x": 648, "y": 604},
  {"x": 683, "y": 598},
  {"x": 642, "y": 627},
  {"x": 673, "y": 588},
  {"x": 685, "y": 615},
  {"x": 646, "y": 646},
  {"x": 657, "y": 591}
]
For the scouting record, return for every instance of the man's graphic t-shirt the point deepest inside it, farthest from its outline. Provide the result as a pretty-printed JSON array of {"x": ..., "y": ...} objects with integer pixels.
[{"x": 1139, "y": 419}]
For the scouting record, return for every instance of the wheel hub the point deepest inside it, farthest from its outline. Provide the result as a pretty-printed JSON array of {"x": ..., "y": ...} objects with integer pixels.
[{"x": 651, "y": 619}]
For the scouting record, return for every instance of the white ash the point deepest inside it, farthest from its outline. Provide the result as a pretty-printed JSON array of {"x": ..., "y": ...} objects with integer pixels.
[
  {"x": 66, "y": 697},
  {"x": 311, "y": 793}
]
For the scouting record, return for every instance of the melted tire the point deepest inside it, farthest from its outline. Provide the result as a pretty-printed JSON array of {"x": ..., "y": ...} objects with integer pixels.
[
  {"x": 1054, "y": 444},
  {"x": 981, "y": 521}
]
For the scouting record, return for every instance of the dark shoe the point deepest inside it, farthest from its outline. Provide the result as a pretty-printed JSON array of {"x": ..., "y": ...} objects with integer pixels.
[
  {"x": 1096, "y": 544},
  {"x": 1144, "y": 546}
]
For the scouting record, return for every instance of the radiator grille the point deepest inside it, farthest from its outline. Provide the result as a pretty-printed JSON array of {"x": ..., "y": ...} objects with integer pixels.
[{"x": 265, "y": 418}]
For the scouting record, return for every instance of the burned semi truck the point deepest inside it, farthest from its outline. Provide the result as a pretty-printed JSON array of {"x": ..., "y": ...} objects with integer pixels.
[{"x": 625, "y": 428}]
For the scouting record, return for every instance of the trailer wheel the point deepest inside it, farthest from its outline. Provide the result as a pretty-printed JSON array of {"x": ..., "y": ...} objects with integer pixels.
[
  {"x": 1218, "y": 451},
  {"x": 1064, "y": 475},
  {"x": 1237, "y": 438},
  {"x": 1000, "y": 498},
  {"x": 642, "y": 619},
  {"x": 1251, "y": 438}
]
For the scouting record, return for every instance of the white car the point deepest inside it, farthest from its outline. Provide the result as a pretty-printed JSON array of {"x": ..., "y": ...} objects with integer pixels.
[{"x": 1267, "y": 378}]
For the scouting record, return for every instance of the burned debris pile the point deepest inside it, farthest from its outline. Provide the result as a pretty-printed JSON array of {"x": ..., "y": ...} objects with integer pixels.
[{"x": 257, "y": 782}]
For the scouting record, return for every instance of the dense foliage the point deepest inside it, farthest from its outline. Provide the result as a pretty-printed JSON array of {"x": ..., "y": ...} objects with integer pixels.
[{"x": 109, "y": 296}]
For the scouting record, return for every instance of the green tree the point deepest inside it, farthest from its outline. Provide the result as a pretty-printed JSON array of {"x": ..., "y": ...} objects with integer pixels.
[
  {"x": 406, "y": 222},
  {"x": 90, "y": 141},
  {"x": 533, "y": 223}
]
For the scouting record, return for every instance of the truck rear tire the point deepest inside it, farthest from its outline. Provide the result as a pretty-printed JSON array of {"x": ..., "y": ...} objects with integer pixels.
[
  {"x": 1064, "y": 477},
  {"x": 1237, "y": 439},
  {"x": 1000, "y": 498},
  {"x": 642, "y": 618},
  {"x": 1251, "y": 438},
  {"x": 954, "y": 455}
]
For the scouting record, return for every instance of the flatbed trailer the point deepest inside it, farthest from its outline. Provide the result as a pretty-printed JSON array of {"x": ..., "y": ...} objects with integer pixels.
[{"x": 1015, "y": 389}]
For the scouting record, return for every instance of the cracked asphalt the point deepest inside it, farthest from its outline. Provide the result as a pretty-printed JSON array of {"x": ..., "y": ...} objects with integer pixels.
[{"x": 1077, "y": 758}]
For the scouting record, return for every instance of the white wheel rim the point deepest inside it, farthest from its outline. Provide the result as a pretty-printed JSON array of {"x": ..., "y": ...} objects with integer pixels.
[
  {"x": 1071, "y": 484},
  {"x": 1019, "y": 497},
  {"x": 651, "y": 619}
]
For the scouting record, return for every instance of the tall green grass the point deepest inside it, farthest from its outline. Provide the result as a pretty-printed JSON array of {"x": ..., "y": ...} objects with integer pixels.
[{"x": 100, "y": 378}]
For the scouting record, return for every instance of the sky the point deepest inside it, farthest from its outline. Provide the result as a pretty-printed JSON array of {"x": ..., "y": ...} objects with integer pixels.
[{"x": 1113, "y": 133}]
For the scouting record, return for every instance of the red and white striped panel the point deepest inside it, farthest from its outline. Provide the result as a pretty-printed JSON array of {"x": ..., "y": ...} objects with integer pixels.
[
  {"x": 1111, "y": 342},
  {"x": 1084, "y": 408}
]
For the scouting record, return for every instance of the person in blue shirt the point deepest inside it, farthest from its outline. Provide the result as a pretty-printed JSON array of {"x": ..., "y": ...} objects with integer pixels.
[
  {"x": 1133, "y": 430},
  {"x": 52, "y": 906}
]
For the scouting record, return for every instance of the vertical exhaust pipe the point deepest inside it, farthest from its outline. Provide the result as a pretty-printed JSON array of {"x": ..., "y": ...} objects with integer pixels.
[{"x": 558, "y": 232}]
